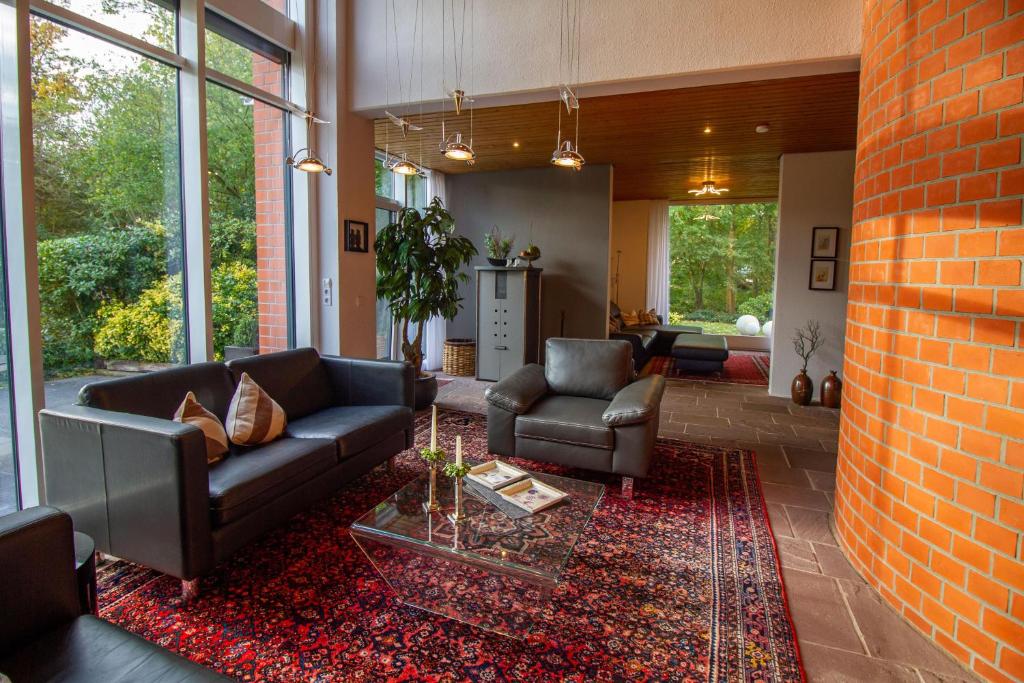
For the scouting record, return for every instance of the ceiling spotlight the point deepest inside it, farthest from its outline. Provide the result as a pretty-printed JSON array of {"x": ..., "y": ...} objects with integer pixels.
[
  {"x": 516, "y": 145},
  {"x": 762, "y": 128},
  {"x": 707, "y": 129},
  {"x": 402, "y": 166},
  {"x": 457, "y": 150},
  {"x": 708, "y": 188},
  {"x": 307, "y": 162},
  {"x": 567, "y": 157}
]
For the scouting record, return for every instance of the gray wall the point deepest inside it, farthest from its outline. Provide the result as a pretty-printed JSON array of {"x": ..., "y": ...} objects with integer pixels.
[
  {"x": 570, "y": 215},
  {"x": 814, "y": 190}
]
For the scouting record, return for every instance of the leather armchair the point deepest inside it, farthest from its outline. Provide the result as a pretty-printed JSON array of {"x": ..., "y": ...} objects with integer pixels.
[
  {"x": 43, "y": 634},
  {"x": 582, "y": 409}
]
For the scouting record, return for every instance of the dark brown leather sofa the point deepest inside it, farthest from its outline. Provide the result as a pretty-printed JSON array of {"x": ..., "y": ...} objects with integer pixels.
[
  {"x": 648, "y": 340},
  {"x": 138, "y": 482},
  {"x": 43, "y": 634},
  {"x": 582, "y": 409}
]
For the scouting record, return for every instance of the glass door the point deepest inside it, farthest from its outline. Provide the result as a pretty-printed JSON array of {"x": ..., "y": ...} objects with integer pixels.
[{"x": 9, "y": 498}]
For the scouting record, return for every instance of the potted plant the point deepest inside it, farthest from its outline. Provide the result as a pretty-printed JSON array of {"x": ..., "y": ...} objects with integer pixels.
[
  {"x": 498, "y": 247},
  {"x": 244, "y": 339},
  {"x": 806, "y": 342},
  {"x": 419, "y": 257}
]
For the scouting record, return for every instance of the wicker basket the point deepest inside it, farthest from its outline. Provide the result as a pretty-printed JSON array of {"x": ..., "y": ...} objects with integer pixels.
[{"x": 459, "y": 357}]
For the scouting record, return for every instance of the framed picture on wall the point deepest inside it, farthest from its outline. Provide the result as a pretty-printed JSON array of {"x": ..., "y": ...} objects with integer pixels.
[
  {"x": 357, "y": 236},
  {"x": 823, "y": 275},
  {"x": 825, "y": 243}
]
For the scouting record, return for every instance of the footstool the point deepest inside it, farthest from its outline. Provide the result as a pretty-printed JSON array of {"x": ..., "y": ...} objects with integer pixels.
[{"x": 700, "y": 352}]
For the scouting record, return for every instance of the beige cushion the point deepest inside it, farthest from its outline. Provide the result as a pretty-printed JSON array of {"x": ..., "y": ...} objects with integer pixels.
[
  {"x": 630, "y": 318},
  {"x": 648, "y": 317},
  {"x": 193, "y": 413},
  {"x": 253, "y": 417}
]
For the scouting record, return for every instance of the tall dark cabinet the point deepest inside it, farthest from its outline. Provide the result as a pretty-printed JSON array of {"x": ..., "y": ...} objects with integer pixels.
[{"x": 507, "y": 320}]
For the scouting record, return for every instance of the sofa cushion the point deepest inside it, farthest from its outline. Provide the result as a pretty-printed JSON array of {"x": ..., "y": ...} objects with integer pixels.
[
  {"x": 91, "y": 649},
  {"x": 243, "y": 482},
  {"x": 592, "y": 368},
  {"x": 712, "y": 347},
  {"x": 354, "y": 428},
  {"x": 253, "y": 418},
  {"x": 567, "y": 419},
  {"x": 295, "y": 379},
  {"x": 158, "y": 394}
]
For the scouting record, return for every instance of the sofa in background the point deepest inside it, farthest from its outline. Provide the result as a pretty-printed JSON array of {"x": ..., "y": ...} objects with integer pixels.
[
  {"x": 43, "y": 634},
  {"x": 647, "y": 340},
  {"x": 139, "y": 483},
  {"x": 581, "y": 409}
]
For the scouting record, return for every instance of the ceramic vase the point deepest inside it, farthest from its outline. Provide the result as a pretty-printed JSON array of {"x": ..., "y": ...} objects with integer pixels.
[
  {"x": 802, "y": 389},
  {"x": 831, "y": 390}
]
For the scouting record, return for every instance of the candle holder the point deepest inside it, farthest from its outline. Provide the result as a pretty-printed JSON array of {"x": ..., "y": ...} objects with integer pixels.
[
  {"x": 457, "y": 471},
  {"x": 434, "y": 457}
]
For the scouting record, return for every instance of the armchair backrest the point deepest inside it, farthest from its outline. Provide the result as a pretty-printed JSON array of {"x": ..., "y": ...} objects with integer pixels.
[{"x": 591, "y": 368}]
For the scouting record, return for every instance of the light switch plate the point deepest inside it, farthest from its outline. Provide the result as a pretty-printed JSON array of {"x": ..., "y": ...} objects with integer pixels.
[{"x": 327, "y": 291}]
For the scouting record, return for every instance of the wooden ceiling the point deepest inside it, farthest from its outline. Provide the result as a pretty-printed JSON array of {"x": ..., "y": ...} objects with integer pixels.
[{"x": 656, "y": 140}]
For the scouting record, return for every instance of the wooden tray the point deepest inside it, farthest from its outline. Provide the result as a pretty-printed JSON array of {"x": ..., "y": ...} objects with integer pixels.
[{"x": 532, "y": 494}]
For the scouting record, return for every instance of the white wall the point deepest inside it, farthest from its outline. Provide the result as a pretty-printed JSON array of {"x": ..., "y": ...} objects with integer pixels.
[
  {"x": 515, "y": 44},
  {"x": 814, "y": 190}
]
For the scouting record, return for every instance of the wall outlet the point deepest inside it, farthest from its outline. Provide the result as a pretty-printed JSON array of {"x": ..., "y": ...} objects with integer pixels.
[{"x": 327, "y": 291}]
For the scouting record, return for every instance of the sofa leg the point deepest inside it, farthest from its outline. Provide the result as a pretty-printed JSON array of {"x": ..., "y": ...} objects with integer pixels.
[
  {"x": 392, "y": 468},
  {"x": 189, "y": 590},
  {"x": 627, "y": 488}
]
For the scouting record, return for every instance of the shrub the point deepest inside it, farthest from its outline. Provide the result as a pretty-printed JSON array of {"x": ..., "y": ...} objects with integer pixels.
[
  {"x": 759, "y": 306},
  {"x": 708, "y": 316}
]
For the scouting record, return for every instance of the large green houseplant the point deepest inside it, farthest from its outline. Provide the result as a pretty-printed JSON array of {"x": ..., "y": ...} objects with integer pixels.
[{"x": 419, "y": 261}]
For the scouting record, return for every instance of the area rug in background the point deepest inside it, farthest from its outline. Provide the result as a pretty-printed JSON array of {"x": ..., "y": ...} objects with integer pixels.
[
  {"x": 742, "y": 367},
  {"x": 681, "y": 583}
]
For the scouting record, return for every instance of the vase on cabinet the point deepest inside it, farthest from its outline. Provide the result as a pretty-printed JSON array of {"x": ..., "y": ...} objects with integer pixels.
[{"x": 802, "y": 389}]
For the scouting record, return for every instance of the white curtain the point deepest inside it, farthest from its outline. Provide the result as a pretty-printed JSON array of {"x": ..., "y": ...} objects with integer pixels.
[
  {"x": 434, "y": 331},
  {"x": 657, "y": 259}
]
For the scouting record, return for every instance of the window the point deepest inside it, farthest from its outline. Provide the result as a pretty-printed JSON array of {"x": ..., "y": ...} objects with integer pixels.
[
  {"x": 8, "y": 461},
  {"x": 150, "y": 20},
  {"x": 108, "y": 206},
  {"x": 722, "y": 264}
]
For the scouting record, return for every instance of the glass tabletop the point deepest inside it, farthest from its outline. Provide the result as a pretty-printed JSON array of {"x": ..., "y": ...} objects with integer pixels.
[{"x": 537, "y": 546}]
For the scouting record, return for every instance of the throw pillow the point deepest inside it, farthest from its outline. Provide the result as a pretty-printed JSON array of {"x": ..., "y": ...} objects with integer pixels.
[
  {"x": 253, "y": 417},
  {"x": 614, "y": 325},
  {"x": 648, "y": 317},
  {"x": 193, "y": 413},
  {"x": 630, "y": 318}
]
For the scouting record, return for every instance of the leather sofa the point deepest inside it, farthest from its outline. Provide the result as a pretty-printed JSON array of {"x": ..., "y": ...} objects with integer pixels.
[
  {"x": 44, "y": 636},
  {"x": 647, "y": 341},
  {"x": 582, "y": 409},
  {"x": 139, "y": 483}
]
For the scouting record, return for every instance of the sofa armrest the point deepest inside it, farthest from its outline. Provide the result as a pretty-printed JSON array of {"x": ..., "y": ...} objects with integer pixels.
[
  {"x": 636, "y": 402},
  {"x": 138, "y": 485},
  {"x": 520, "y": 390},
  {"x": 37, "y": 578},
  {"x": 360, "y": 382}
]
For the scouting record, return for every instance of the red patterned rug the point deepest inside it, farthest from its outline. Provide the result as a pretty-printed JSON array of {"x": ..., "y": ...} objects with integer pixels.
[
  {"x": 742, "y": 367},
  {"x": 681, "y": 583}
]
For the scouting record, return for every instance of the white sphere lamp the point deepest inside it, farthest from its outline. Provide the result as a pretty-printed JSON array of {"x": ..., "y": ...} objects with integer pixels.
[{"x": 748, "y": 325}]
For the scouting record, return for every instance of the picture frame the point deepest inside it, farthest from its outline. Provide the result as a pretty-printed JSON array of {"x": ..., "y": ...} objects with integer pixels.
[
  {"x": 823, "y": 275},
  {"x": 357, "y": 236},
  {"x": 825, "y": 242}
]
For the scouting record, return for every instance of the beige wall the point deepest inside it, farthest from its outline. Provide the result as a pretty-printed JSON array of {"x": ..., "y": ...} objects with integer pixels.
[{"x": 629, "y": 236}]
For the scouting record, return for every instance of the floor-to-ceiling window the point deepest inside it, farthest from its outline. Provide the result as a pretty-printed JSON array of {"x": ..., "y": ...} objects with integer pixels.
[
  {"x": 722, "y": 264},
  {"x": 8, "y": 461}
]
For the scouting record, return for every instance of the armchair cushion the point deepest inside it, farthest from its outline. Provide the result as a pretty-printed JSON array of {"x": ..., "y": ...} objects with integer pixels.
[
  {"x": 637, "y": 402},
  {"x": 567, "y": 419},
  {"x": 296, "y": 379},
  {"x": 591, "y": 368},
  {"x": 353, "y": 428},
  {"x": 242, "y": 483},
  {"x": 520, "y": 390}
]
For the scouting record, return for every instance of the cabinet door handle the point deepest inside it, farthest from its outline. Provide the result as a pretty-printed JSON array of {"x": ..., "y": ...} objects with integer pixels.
[{"x": 501, "y": 348}]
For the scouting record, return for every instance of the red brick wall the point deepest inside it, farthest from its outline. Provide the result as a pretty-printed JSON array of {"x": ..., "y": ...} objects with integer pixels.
[
  {"x": 271, "y": 253},
  {"x": 931, "y": 454}
]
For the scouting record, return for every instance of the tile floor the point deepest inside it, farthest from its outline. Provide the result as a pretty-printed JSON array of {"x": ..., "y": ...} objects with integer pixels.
[{"x": 846, "y": 632}]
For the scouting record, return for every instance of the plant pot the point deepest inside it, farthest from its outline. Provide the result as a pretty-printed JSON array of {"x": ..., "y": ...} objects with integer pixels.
[
  {"x": 498, "y": 262},
  {"x": 802, "y": 389},
  {"x": 831, "y": 390},
  {"x": 426, "y": 391},
  {"x": 233, "y": 352}
]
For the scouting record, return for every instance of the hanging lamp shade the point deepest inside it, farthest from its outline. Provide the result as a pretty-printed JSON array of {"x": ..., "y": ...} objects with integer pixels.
[
  {"x": 402, "y": 166},
  {"x": 567, "y": 157},
  {"x": 457, "y": 150},
  {"x": 708, "y": 188},
  {"x": 304, "y": 160}
]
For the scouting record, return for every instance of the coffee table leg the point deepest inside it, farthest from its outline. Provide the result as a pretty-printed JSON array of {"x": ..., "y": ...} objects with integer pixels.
[{"x": 627, "y": 488}]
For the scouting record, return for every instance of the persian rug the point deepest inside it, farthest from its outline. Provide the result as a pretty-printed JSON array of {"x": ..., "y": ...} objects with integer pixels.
[
  {"x": 680, "y": 584},
  {"x": 742, "y": 367}
]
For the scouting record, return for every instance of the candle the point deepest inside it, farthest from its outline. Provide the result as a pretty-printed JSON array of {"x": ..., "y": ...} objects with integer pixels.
[
  {"x": 458, "y": 449},
  {"x": 433, "y": 428}
]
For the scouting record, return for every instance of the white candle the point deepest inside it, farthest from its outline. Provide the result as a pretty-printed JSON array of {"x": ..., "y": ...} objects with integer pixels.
[
  {"x": 458, "y": 449},
  {"x": 433, "y": 428}
]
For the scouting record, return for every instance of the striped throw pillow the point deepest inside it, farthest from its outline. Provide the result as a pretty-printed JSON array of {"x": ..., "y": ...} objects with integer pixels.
[
  {"x": 253, "y": 417},
  {"x": 193, "y": 413},
  {"x": 630, "y": 318},
  {"x": 648, "y": 317}
]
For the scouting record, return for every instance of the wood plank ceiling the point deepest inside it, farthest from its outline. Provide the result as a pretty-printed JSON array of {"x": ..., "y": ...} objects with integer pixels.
[{"x": 656, "y": 140}]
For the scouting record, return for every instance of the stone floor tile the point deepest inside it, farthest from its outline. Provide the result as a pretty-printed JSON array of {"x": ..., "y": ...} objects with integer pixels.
[
  {"x": 797, "y": 554},
  {"x": 810, "y": 459},
  {"x": 822, "y": 481},
  {"x": 834, "y": 563},
  {"x": 796, "y": 496},
  {"x": 819, "y": 613},
  {"x": 780, "y": 522},
  {"x": 831, "y": 665},
  {"x": 810, "y": 525}
]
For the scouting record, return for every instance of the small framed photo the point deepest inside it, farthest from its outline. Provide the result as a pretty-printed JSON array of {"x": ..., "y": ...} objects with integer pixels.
[
  {"x": 357, "y": 236},
  {"x": 825, "y": 243},
  {"x": 823, "y": 275}
]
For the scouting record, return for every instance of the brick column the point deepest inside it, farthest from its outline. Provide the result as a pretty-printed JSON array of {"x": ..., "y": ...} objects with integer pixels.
[{"x": 931, "y": 455}]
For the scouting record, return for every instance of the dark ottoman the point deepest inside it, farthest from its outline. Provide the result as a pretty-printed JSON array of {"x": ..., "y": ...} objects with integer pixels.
[{"x": 700, "y": 352}]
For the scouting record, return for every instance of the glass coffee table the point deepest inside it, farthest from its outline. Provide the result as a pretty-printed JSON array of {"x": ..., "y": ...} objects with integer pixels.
[{"x": 491, "y": 571}]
